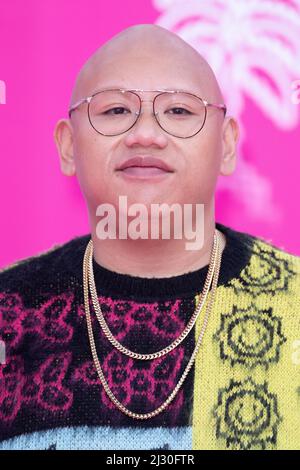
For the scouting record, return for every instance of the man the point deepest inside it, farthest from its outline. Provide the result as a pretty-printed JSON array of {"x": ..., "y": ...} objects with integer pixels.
[{"x": 140, "y": 343}]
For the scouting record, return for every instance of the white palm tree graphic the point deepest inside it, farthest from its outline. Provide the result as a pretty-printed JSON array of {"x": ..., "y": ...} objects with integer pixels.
[{"x": 253, "y": 47}]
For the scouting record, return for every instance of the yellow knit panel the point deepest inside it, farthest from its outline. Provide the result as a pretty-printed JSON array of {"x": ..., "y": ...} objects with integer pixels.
[{"x": 247, "y": 371}]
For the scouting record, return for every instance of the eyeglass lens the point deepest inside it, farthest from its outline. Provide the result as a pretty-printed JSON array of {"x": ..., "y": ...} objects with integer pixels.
[{"x": 114, "y": 112}]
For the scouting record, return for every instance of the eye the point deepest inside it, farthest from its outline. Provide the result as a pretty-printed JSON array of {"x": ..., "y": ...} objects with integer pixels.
[
  {"x": 178, "y": 111},
  {"x": 118, "y": 110}
]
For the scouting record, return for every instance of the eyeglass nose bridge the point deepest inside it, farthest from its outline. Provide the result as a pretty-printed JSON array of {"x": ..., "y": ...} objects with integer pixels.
[{"x": 138, "y": 113}]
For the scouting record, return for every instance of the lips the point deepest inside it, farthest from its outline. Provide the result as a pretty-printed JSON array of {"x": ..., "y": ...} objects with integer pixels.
[{"x": 146, "y": 162}]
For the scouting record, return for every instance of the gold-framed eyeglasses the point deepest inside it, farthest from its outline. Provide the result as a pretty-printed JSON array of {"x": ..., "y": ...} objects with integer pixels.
[{"x": 114, "y": 111}]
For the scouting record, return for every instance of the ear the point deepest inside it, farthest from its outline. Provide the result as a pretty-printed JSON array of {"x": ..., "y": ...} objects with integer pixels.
[
  {"x": 230, "y": 137},
  {"x": 63, "y": 137}
]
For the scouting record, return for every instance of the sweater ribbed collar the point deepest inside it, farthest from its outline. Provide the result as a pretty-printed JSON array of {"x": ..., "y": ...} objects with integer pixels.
[{"x": 235, "y": 257}]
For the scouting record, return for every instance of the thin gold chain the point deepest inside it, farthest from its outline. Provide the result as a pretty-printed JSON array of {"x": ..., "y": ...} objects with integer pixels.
[
  {"x": 177, "y": 341},
  {"x": 189, "y": 365}
]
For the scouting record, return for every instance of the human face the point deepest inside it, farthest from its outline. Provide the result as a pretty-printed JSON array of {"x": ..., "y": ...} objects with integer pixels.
[{"x": 195, "y": 162}]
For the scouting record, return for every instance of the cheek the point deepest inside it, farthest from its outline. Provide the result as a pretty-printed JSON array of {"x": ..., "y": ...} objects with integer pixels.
[
  {"x": 205, "y": 158},
  {"x": 91, "y": 168}
]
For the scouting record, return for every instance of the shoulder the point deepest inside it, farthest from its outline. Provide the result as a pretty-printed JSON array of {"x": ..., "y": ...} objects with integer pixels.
[
  {"x": 270, "y": 269},
  {"x": 265, "y": 252},
  {"x": 263, "y": 248},
  {"x": 42, "y": 266}
]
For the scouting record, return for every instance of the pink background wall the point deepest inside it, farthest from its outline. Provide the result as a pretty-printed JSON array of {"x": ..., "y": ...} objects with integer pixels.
[{"x": 43, "y": 44}]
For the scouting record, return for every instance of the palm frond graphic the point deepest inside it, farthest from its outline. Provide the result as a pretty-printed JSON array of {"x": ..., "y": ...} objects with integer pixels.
[{"x": 253, "y": 47}]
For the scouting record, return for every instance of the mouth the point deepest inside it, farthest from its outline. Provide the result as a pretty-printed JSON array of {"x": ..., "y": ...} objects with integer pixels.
[
  {"x": 144, "y": 172},
  {"x": 145, "y": 161},
  {"x": 144, "y": 167}
]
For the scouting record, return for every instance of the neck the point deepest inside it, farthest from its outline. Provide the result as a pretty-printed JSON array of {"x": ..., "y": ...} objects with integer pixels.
[{"x": 154, "y": 258}]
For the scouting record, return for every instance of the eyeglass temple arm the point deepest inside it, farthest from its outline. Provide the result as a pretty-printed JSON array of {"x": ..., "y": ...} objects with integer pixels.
[
  {"x": 78, "y": 103},
  {"x": 214, "y": 105}
]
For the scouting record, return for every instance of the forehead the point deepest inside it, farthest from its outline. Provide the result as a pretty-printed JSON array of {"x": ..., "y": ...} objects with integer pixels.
[
  {"x": 143, "y": 86},
  {"x": 148, "y": 69}
]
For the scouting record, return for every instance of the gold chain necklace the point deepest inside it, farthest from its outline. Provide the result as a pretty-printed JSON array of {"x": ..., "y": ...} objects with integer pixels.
[
  {"x": 190, "y": 363},
  {"x": 177, "y": 341}
]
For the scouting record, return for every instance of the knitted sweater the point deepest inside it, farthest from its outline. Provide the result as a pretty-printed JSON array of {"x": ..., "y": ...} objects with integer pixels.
[{"x": 243, "y": 391}]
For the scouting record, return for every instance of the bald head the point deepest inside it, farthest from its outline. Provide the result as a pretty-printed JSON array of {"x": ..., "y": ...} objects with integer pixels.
[{"x": 146, "y": 53}]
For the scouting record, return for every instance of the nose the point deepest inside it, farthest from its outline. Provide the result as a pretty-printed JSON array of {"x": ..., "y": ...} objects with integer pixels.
[{"x": 146, "y": 130}]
